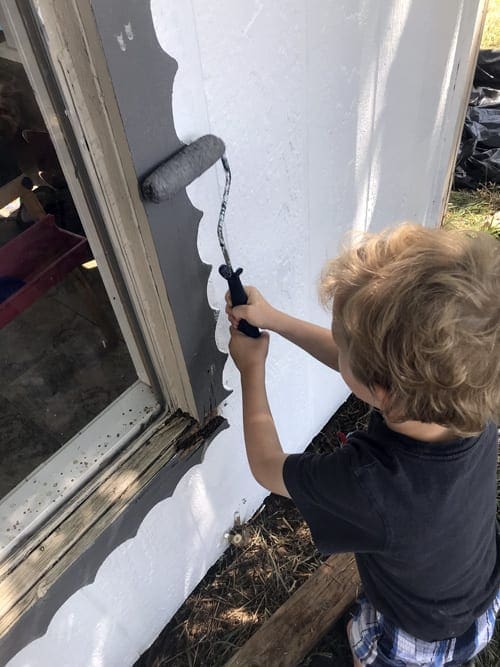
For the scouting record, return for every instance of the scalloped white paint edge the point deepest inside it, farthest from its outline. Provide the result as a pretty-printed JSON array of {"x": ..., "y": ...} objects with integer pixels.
[
  {"x": 125, "y": 619},
  {"x": 153, "y": 589}
]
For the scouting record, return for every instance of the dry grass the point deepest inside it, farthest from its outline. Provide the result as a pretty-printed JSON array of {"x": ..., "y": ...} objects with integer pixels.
[
  {"x": 241, "y": 592},
  {"x": 250, "y": 582}
]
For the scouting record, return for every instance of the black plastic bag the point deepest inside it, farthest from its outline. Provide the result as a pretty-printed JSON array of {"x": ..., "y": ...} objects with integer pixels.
[
  {"x": 478, "y": 159},
  {"x": 487, "y": 68}
]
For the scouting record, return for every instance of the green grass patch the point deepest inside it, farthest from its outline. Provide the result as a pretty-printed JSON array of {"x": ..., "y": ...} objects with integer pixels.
[
  {"x": 491, "y": 32},
  {"x": 474, "y": 210}
]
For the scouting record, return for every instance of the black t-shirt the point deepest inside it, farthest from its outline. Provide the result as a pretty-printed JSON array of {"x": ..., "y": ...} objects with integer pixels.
[{"x": 420, "y": 517}]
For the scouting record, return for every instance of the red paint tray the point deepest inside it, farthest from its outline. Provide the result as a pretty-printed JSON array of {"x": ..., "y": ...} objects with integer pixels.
[{"x": 41, "y": 257}]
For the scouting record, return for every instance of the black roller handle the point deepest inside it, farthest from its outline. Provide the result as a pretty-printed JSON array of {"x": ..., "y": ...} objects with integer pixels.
[{"x": 238, "y": 298}]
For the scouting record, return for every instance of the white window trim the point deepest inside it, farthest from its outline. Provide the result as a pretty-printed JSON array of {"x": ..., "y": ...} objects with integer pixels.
[{"x": 32, "y": 566}]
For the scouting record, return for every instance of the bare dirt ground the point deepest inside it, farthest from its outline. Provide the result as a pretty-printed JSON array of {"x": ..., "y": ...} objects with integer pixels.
[{"x": 251, "y": 581}]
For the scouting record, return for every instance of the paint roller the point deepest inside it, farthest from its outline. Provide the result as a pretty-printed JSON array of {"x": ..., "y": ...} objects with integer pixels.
[{"x": 179, "y": 171}]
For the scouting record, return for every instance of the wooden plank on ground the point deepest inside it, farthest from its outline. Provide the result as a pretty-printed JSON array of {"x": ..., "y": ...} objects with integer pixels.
[{"x": 297, "y": 626}]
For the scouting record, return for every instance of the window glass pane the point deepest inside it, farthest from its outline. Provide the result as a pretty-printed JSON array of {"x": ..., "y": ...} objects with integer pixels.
[{"x": 63, "y": 359}]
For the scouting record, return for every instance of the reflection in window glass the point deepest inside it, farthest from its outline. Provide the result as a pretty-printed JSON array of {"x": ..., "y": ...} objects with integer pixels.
[{"x": 62, "y": 356}]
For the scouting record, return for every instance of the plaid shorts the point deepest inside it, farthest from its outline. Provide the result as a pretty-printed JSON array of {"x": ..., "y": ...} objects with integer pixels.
[{"x": 377, "y": 642}]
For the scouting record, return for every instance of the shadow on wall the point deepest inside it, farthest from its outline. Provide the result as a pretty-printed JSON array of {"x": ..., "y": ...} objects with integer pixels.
[
  {"x": 334, "y": 149},
  {"x": 395, "y": 129}
]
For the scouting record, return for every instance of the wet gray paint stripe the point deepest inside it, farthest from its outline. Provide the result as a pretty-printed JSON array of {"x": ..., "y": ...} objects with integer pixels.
[{"x": 143, "y": 75}]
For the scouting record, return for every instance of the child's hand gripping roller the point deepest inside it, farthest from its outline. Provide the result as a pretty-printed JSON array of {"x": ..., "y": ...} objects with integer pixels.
[{"x": 238, "y": 294}]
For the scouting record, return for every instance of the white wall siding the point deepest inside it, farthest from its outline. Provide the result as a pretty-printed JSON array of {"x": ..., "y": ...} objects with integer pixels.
[{"x": 336, "y": 115}]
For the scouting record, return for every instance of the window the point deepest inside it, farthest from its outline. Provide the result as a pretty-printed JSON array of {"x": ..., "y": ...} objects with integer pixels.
[
  {"x": 91, "y": 360},
  {"x": 63, "y": 359}
]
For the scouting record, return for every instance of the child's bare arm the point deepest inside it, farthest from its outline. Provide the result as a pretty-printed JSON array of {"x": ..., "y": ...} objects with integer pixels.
[
  {"x": 264, "y": 452},
  {"x": 317, "y": 341}
]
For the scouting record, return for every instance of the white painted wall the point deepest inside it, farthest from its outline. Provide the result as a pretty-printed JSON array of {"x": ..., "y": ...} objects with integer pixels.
[{"x": 337, "y": 115}]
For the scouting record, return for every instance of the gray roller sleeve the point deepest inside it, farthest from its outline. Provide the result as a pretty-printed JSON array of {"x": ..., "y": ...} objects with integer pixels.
[{"x": 182, "y": 168}]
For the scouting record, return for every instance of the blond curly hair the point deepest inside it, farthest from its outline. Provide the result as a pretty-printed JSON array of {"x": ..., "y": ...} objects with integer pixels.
[{"x": 419, "y": 311}]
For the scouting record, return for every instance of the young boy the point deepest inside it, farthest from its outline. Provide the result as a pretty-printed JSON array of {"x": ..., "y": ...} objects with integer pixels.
[{"x": 416, "y": 334}]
